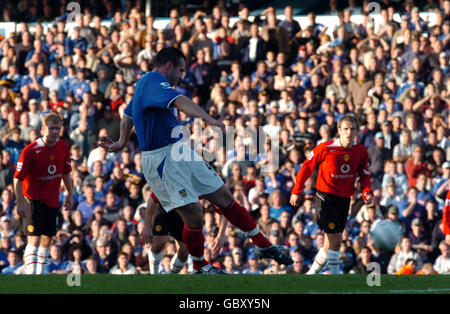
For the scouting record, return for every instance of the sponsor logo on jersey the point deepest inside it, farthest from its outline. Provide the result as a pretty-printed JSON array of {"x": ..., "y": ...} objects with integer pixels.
[
  {"x": 342, "y": 176},
  {"x": 19, "y": 166},
  {"x": 51, "y": 169},
  {"x": 47, "y": 178},
  {"x": 345, "y": 168},
  {"x": 311, "y": 155}
]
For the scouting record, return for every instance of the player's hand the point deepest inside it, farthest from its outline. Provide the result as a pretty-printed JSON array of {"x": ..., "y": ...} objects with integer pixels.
[
  {"x": 368, "y": 198},
  {"x": 23, "y": 209},
  {"x": 108, "y": 144},
  {"x": 147, "y": 234},
  {"x": 295, "y": 200}
]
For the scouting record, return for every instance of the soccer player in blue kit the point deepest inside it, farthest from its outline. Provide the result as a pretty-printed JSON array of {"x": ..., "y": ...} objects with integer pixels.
[{"x": 178, "y": 184}]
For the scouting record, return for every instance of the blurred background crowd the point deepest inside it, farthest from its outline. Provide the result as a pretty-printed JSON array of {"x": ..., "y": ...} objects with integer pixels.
[{"x": 291, "y": 81}]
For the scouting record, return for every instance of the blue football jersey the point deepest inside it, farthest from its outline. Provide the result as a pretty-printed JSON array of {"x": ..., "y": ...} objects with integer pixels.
[{"x": 153, "y": 116}]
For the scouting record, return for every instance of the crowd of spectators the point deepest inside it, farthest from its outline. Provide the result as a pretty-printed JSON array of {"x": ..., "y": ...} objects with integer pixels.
[{"x": 293, "y": 81}]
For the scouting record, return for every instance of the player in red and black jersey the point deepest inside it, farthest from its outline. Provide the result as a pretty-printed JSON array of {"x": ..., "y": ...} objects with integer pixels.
[
  {"x": 339, "y": 161},
  {"x": 37, "y": 182}
]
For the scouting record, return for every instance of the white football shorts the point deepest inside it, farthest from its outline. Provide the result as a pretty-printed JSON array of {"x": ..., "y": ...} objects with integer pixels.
[{"x": 178, "y": 175}]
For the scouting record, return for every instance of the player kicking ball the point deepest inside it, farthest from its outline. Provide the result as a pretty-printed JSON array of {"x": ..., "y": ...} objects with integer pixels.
[
  {"x": 340, "y": 161},
  {"x": 178, "y": 184}
]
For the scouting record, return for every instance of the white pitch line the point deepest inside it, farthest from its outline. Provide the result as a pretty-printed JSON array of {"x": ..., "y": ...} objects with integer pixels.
[
  {"x": 430, "y": 290},
  {"x": 421, "y": 290}
]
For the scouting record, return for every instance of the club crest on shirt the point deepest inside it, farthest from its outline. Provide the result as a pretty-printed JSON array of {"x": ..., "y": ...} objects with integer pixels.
[
  {"x": 165, "y": 85},
  {"x": 331, "y": 225},
  {"x": 346, "y": 157},
  {"x": 30, "y": 228},
  {"x": 158, "y": 228},
  {"x": 52, "y": 157},
  {"x": 19, "y": 166},
  {"x": 311, "y": 155},
  {"x": 183, "y": 193}
]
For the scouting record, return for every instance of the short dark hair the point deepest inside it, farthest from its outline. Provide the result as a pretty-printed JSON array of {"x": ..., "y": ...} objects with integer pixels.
[
  {"x": 349, "y": 118},
  {"x": 169, "y": 54}
]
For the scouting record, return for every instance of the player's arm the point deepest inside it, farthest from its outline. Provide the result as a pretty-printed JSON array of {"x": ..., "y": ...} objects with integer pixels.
[
  {"x": 22, "y": 170},
  {"x": 67, "y": 179},
  {"x": 68, "y": 202},
  {"x": 23, "y": 206},
  {"x": 364, "y": 178},
  {"x": 306, "y": 170},
  {"x": 191, "y": 109},
  {"x": 126, "y": 126}
]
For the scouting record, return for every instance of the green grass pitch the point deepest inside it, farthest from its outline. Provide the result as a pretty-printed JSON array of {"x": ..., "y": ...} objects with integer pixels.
[{"x": 222, "y": 284}]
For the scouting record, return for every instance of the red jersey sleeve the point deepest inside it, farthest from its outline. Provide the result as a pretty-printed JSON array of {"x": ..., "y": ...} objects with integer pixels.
[
  {"x": 23, "y": 165},
  {"x": 446, "y": 215},
  {"x": 307, "y": 168},
  {"x": 364, "y": 173}
]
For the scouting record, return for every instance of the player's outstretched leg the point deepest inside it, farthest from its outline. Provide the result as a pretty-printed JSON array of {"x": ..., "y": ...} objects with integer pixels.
[{"x": 239, "y": 217}]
